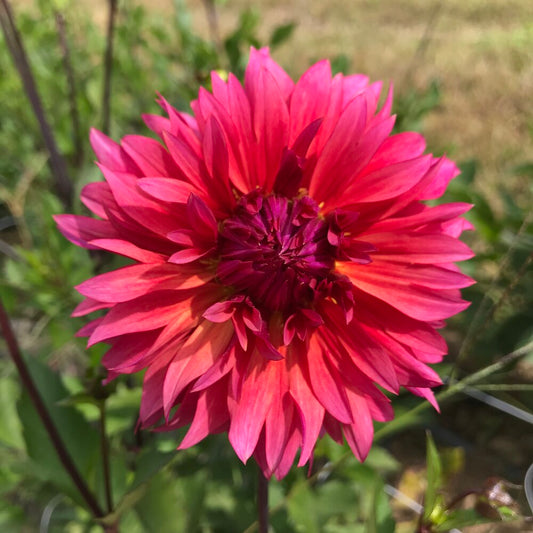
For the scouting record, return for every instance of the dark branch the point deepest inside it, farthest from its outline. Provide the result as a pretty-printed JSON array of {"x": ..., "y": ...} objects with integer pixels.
[
  {"x": 40, "y": 407},
  {"x": 71, "y": 85},
  {"x": 61, "y": 178},
  {"x": 108, "y": 66}
]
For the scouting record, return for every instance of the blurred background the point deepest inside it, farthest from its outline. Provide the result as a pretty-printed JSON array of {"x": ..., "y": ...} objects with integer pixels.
[{"x": 462, "y": 72}]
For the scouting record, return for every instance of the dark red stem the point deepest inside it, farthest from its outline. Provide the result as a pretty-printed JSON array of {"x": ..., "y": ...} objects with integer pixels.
[
  {"x": 71, "y": 87},
  {"x": 61, "y": 178},
  {"x": 262, "y": 502},
  {"x": 108, "y": 66},
  {"x": 40, "y": 407}
]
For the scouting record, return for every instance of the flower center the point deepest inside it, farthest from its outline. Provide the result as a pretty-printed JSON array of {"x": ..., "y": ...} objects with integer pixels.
[{"x": 275, "y": 250}]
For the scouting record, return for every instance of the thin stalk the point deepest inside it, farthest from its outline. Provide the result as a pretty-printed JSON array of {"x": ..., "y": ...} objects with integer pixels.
[
  {"x": 71, "y": 86},
  {"x": 62, "y": 182},
  {"x": 423, "y": 44},
  {"x": 212, "y": 21},
  {"x": 262, "y": 502},
  {"x": 454, "y": 388},
  {"x": 108, "y": 66},
  {"x": 48, "y": 423},
  {"x": 105, "y": 458},
  {"x": 520, "y": 387}
]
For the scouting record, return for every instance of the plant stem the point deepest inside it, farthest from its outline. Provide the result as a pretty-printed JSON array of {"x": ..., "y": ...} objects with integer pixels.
[
  {"x": 108, "y": 66},
  {"x": 454, "y": 388},
  {"x": 262, "y": 502},
  {"x": 212, "y": 21},
  {"x": 48, "y": 423},
  {"x": 61, "y": 178},
  {"x": 71, "y": 86},
  {"x": 105, "y": 457}
]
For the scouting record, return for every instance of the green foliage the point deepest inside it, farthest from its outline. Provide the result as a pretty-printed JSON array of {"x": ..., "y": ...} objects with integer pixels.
[
  {"x": 503, "y": 296},
  {"x": 434, "y": 480},
  {"x": 412, "y": 106}
]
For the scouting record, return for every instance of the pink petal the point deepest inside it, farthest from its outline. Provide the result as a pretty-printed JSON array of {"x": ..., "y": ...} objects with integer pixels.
[
  {"x": 278, "y": 423},
  {"x": 157, "y": 123},
  {"x": 389, "y": 182},
  {"x": 149, "y": 155},
  {"x": 415, "y": 296},
  {"x": 110, "y": 154},
  {"x": 89, "y": 306},
  {"x": 80, "y": 230},
  {"x": 310, "y": 98},
  {"x": 400, "y": 147},
  {"x": 167, "y": 189},
  {"x": 427, "y": 394},
  {"x": 310, "y": 409},
  {"x": 95, "y": 195},
  {"x": 417, "y": 247},
  {"x": 360, "y": 434},
  {"x": 188, "y": 163},
  {"x": 325, "y": 382},
  {"x": 260, "y": 60},
  {"x": 250, "y": 409},
  {"x": 148, "y": 312},
  {"x": 133, "y": 281},
  {"x": 136, "y": 205},
  {"x": 128, "y": 249},
  {"x": 340, "y": 150},
  {"x": 211, "y": 413},
  {"x": 197, "y": 354},
  {"x": 288, "y": 454},
  {"x": 270, "y": 121}
]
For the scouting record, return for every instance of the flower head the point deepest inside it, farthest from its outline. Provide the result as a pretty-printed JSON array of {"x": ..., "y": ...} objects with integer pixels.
[{"x": 285, "y": 263}]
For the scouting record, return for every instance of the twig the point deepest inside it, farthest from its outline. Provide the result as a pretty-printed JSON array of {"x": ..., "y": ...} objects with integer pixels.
[
  {"x": 423, "y": 44},
  {"x": 61, "y": 178},
  {"x": 71, "y": 84},
  {"x": 108, "y": 66},
  {"x": 262, "y": 502},
  {"x": 212, "y": 21},
  {"x": 48, "y": 423},
  {"x": 454, "y": 388}
]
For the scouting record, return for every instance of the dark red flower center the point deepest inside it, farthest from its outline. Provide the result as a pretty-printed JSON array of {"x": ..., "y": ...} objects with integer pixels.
[{"x": 275, "y": 250}]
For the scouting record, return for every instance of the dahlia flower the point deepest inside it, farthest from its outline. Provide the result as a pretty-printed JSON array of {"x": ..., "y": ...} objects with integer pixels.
[{"x": 286, "y": 270}]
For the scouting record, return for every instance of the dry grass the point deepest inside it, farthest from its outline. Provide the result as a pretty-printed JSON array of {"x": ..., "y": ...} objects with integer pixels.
[{"x": 481, "y": 51}]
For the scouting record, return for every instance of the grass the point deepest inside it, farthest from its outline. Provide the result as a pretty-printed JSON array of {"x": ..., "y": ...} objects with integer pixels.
[{"x": 481, "y": 51}]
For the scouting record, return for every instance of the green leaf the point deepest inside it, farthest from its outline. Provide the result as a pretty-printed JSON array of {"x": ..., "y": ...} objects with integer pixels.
[
  {"x": 434, "y": 477},
  {"x": 468, "y": 172},
  {"x": 301, "y": 505},
  {"x": 380, "y": 517},
  {"x": 461, "y": 518},
  {"x": 281, "y": 34},
  {"x": 340, "y": 63},
  {"x": 148, "y": 465},
  {"x": 10, "y": 428},
  {"x": 381, "y": 460},
  {"x": 161, "y": 509}
]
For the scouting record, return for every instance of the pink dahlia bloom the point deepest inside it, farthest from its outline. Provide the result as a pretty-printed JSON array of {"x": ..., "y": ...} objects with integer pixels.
[{"x": 284, "y": 262}]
